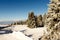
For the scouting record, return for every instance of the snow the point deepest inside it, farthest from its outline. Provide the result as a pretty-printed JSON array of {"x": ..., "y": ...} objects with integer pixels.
[
  {"x": 22, "y": 32},
  {"x": 14, "y": 36},
  {"x": 19, "y": 27},
  {"x": 34, "y": 33}
]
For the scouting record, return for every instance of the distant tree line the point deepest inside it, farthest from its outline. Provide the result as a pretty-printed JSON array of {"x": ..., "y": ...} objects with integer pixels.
[{"x": 35, "y": 21}]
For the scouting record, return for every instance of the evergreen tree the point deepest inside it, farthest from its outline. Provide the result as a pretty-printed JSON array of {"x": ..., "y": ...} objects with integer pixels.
[
  {"x": 31, "y": 20},
  {"x": 39, "y": 21},
  {"x": 52, "y": 22}
]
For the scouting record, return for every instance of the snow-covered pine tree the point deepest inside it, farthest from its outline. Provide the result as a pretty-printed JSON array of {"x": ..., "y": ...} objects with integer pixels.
[
  {"x": 52, "y": 22},
  {"x": 31, "y": 20}
]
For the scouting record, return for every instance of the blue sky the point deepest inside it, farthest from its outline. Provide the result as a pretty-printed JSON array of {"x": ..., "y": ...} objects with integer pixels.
[{"x": 19, "y": 9}]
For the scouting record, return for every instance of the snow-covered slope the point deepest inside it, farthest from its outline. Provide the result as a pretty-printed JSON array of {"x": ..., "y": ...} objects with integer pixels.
[
  {"x": 22, "y": 32},
  {"x": 14, "y": 36},
  {"x": 34, "y": 33},
  {"x": 19, "y": 27}
]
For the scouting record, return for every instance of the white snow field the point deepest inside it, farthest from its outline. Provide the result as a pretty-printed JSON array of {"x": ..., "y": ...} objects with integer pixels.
[
  {"x": 22, "y": 32},
  {"x": 14, "y": 36},
  {"x": 34, "y": 33}
]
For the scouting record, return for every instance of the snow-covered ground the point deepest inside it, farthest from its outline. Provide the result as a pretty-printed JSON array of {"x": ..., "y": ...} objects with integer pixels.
[
  {"x": 14, "y": 36},
  {"x": 34, "y": 33},
  {"x": 22, "y": 32}
]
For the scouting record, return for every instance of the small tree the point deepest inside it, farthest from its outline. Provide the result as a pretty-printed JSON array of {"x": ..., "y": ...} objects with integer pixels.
[
  {"x": 39, "y": 21},
  {"x": 31, "y": 20}
]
